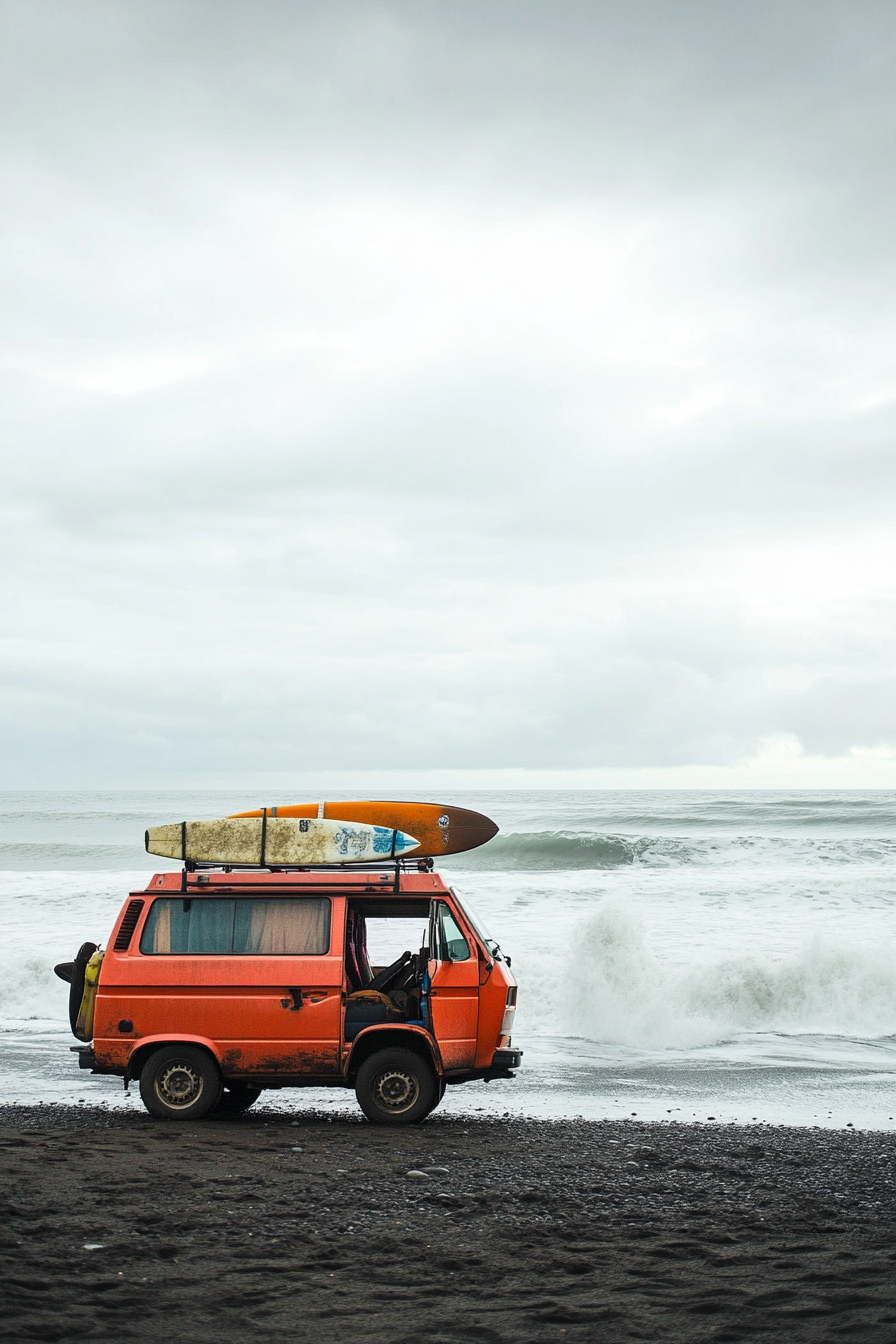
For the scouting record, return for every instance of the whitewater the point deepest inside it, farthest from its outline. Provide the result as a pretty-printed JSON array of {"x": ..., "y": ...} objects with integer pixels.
[{"x": 685, "y": 955}]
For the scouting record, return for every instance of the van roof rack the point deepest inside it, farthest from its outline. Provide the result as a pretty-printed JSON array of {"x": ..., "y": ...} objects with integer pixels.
[
  {"x": 392, "y": 867},
  {"x": 378, "y": 865}
]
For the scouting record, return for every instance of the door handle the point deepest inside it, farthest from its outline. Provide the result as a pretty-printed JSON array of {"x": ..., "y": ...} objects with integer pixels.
[{"x": 294, "y": 1003}]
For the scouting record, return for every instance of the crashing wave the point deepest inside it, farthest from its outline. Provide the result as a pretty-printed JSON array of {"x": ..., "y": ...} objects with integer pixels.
[
  {"x": 548, "y": 850},
  {"x": 557, "y": 850}
]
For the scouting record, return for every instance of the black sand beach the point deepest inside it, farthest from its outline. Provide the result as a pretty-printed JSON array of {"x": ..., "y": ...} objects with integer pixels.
[{"x": 572, "y": 1230}]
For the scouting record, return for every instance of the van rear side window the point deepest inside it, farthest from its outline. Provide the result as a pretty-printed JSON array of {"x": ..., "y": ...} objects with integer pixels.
[{"x": 213, "y": 926}]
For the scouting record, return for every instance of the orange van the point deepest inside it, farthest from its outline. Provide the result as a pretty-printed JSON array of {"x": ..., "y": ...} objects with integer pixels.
[{"x": 217, "y": 984}]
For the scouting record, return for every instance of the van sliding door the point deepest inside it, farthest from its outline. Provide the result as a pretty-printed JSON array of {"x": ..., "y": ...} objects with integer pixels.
[{"x": 259, "y": 976}]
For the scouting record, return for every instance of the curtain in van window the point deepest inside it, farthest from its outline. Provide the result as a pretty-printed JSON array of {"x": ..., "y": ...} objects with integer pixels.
[
  {"x": 157, "y": 933},
  {"x": 211, "y": 925},
  {"x": 184, "y": 925},
  {"x": 298, "y": 928},
  {"x": 208, "y": 927}
]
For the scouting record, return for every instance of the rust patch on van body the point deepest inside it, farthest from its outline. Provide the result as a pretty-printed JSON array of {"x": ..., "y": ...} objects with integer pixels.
[{"x": 294, "y": 1064}]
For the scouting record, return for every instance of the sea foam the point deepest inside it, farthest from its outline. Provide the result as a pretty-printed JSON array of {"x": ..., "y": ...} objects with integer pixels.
[{"x": 619, "y": 990}]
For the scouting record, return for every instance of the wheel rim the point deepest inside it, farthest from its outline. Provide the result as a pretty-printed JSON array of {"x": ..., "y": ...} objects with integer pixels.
[
  {"x": 395, "y": 1090},
  {"x": 179, "y": 1085}
]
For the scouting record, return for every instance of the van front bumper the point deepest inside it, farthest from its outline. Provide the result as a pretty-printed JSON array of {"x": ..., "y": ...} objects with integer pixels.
[
  {"x": 502, "y": 1066},
  {"x": 507, "y": 1059}
]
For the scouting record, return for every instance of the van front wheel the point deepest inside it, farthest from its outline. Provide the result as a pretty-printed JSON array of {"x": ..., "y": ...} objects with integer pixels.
[
  {"x": 180, "y": 1082},
  {"x": 396, "y": 1087}
]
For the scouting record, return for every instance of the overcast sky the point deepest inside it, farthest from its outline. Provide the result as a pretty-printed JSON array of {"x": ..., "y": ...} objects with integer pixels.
[{"x": 449, "y": 386}]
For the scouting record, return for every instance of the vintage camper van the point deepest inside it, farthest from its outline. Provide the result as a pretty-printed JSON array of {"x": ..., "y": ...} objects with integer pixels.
[{"x": 217, "y": 984}]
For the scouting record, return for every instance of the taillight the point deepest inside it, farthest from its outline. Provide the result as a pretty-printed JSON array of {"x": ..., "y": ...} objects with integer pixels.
[{"x": 509, "y": 1012}]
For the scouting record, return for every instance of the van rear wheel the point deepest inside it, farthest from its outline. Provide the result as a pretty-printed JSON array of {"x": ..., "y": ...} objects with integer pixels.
[
  {"x": 396, "y": 1087},
  {"x": 180, "y": 1082}
]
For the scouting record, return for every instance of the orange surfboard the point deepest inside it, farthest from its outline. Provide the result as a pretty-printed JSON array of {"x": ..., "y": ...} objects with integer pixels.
[{"x": 439, "y": 829}]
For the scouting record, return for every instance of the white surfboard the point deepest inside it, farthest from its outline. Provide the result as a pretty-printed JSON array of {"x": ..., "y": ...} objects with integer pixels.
[{"x": 277, "y": 840}]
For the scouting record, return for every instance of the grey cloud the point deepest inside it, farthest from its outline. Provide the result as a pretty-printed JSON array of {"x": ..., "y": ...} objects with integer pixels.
[{"x": 411, "y": 385}]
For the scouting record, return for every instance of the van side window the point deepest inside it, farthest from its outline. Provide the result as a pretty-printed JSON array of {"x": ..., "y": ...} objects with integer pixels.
[
  {"x": 210, "y": 926},
  {"x": 451, "y": 945}
]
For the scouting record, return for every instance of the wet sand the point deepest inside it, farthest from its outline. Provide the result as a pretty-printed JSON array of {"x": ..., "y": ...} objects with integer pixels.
[{"x": 535, "y": 1230}]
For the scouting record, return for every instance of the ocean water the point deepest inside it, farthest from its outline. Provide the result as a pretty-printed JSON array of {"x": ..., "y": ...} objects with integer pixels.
[{"x": 684, "y": 955}]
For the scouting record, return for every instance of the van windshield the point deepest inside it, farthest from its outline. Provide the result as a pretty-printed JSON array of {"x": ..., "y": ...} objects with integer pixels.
[{"x": 488, "y": 942}]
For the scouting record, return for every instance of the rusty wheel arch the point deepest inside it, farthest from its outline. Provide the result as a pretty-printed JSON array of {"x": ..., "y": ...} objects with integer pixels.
[
  {"x": 389, "y": 1038},
  {"x": 139, "y": 1057}
]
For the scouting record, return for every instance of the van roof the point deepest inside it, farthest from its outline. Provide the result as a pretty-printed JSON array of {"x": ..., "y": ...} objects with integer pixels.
[{"x": 340, "y": 881}]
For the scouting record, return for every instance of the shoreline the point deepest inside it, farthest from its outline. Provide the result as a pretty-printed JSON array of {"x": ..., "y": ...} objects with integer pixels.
[
  {"x": 523, "y": 1230},
  {"x": 529, "y": 1099}
]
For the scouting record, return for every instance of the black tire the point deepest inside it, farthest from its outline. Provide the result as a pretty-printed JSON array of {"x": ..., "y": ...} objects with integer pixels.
[
  {"x": 439, "y": 1094},
  {"x": 76, "y": 986},
  {"x": 180, "y": 1082},
  {"x": 396, "y": 1087},
  {"x": 237, "y": 1097}
]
